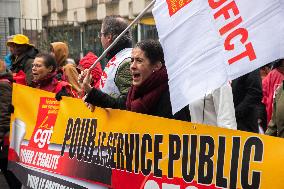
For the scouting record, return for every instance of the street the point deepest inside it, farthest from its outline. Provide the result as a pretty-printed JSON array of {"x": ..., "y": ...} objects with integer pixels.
[{"x": 3, "y": 183}]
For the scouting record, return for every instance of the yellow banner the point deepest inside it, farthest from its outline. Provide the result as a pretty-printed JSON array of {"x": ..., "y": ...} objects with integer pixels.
[{"x": 147, "y": 151}]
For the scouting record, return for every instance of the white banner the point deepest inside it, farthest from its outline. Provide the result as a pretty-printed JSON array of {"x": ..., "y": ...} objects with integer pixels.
[{"x": 208, "y": 43}]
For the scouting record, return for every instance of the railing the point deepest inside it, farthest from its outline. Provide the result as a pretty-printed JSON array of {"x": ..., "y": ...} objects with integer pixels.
[
  {"x": 81, "y": 38},
  {"x": 42, "y": 33}
]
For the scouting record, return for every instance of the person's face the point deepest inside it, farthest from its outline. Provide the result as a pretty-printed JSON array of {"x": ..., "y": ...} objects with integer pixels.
[
  {"x": 39, "y": 70},
  {"x": 106, "y": 39},
  {"x": 140, "y": 67},
  {"x": 12, "y": 48},
  {"x": 19, "y": 49}
]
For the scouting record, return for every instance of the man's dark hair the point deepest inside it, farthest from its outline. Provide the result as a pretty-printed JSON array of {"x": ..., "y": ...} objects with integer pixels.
[
  {"x": 48, "y": 60},
  {"x": 115, "y": 25},
  {"x": 152, "y": 50},
  {"x": 277, "y": 63}
]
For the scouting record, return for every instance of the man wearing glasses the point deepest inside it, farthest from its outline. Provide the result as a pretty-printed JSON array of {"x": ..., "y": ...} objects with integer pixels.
[{"x": 116, "y": 78}]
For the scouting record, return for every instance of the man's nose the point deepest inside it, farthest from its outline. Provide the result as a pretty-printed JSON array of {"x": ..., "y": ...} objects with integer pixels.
[{"x": 133, "y": 65}]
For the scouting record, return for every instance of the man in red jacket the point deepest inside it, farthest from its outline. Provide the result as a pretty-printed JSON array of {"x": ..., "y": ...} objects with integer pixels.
[{"x": 269, "y": 85}]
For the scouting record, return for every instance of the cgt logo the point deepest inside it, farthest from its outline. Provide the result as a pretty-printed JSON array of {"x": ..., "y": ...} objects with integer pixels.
[
  {"x": 42, "y": 137},
  {"x": 45, "y": 122},
  {"x": 175, "y": 5}
]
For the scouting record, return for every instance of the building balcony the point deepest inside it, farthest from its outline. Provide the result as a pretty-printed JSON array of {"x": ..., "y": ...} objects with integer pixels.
[
  {"x": 108, "y": 1},
  {"x": 61, "y": 6},
  {"x": 91, "y": 3}
]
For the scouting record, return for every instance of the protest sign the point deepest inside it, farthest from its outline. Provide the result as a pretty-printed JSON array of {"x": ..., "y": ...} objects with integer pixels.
[{"x": 120, "y": 149}]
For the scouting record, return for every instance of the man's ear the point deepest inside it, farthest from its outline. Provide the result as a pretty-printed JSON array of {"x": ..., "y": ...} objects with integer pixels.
[
  {"x": 110, "y": 38},
  {"x": 157, "y": 66}
]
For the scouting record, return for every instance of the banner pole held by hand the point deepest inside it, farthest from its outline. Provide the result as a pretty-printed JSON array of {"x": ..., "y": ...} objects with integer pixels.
[{"x": 122, "y": 33}]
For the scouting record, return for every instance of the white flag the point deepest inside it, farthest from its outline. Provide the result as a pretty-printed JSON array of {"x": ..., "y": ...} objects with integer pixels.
[{"x": 208, "y": 43}]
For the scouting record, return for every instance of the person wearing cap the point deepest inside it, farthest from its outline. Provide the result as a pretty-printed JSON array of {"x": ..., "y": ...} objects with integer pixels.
[{"x": 25, "y": 54}]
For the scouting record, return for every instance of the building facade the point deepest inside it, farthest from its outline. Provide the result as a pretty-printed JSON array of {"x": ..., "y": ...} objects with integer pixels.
[
  {"x": 8, "y": 10},
  {"x": 74, "y": 22},
  {"x": 85, "y": 18}
]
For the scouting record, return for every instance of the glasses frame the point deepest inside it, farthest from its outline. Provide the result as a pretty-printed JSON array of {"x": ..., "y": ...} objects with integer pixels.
[{"x": 100, "y": 34}]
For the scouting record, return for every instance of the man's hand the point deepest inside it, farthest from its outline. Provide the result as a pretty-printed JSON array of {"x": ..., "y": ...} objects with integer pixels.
[
  {"x": 82, "y": 75},
  {"x": 85, "y": 79},
  {"x": 90, "y": 106}
]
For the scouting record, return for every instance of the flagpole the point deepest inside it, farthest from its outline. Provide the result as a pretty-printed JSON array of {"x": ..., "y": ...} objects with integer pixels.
[{"x": 122, "y": 33}]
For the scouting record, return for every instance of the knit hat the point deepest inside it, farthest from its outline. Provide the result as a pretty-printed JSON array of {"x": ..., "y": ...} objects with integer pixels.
[{"x": 87, "y": 61}]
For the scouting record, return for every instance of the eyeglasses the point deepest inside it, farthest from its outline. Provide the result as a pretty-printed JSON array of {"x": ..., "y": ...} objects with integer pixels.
[
  {"x": 100, "y": 34},
  {"x": 37, "y": 65}
]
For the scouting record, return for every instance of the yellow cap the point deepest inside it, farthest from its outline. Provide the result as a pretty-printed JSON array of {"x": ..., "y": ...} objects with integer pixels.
[{"x": 19, "y": 39}]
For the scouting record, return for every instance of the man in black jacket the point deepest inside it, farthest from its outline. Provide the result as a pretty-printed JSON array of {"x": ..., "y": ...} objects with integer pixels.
[
  {"x": 5, "y": 104},
  {"x": 25, "y": 54},
  {"x": 247, "y": 93}
]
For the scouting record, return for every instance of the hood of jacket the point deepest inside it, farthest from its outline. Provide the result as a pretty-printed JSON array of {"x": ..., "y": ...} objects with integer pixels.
[{"x": 61, "y": 53}]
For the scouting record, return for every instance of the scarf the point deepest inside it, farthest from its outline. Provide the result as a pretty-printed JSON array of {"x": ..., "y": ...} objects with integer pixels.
[
  {"x": 47, "y": 80},
  {"x": 144, "y": 98}
]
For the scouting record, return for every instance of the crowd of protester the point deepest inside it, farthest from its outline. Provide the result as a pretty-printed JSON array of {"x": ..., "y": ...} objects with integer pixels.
[{"x": 136, "y": 79}]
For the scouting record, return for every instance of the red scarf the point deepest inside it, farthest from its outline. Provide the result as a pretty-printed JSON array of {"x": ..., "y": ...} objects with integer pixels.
[{"x": 144, "y": 98}]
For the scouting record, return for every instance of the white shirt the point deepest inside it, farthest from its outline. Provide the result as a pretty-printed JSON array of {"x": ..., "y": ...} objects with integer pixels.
[{"x": 217, "y": 108}]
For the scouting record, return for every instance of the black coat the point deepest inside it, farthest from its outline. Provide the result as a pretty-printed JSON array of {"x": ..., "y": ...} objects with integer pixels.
[
  {"x": 247, "y": 93},
  {"x": 24, "y": 62},
  {"x": 162, "y": 109},
  {"x": 5, "y": 102}
]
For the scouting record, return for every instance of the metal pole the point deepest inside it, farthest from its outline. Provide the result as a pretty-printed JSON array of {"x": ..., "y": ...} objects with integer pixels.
[
  {"x": 122, "y": 33},
  {"x": 81, "y": 42},
  {"x": 139, "y": 35}
]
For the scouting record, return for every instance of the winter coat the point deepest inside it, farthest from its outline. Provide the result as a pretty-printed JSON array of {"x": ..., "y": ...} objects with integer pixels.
[
  {"x": 68, "y": 70},
  {"x": 52, "y": 84},
  {"x": 5, "y": 101},
  {"x": 216, "y": 108},
  {"x": 117, "y": 70},
  {"x": 116, "y": 78},
  {"x": 269, "y": 85},
  {"x": 162, "y": 108},
  {"x": 247, "y": 95},
  {"x": 24, "y": 62},
  {"x": 276, "y": 124},
  {"x": 152, "y": 98}
]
